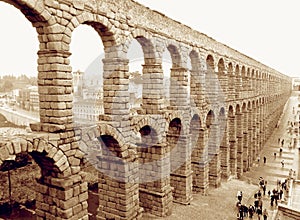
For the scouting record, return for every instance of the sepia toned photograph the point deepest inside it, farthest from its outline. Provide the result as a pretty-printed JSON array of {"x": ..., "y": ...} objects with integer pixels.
[{"x": 149, "y": 110}]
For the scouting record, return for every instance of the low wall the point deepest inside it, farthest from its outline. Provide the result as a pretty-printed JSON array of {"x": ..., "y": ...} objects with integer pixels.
[
  {"x": 285, "y": 210},
  {"x": 16, "y": 118}
]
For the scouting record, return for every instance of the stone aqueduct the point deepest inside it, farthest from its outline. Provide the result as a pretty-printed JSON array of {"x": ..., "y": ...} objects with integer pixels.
[{"x": 160, "y": 155}]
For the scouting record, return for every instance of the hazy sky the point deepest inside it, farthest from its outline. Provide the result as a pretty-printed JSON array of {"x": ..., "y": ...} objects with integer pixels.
[{"x": 266, "y": 30}]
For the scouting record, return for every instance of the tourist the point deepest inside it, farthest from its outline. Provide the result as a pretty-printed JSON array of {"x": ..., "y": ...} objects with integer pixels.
[
  {"x": 240, "y": 195},
  {"x": 260, "y": 203},
  {"x": 259, "y": 213},
  {"x": 265, "y": 160},
  {"x": 274, "y": 155},
  {"x": 251, "y": 211},
  {"x": 265, "y": 214},
  {"x": 280, "y": 151},
  {"x": 282, "y": 142},
  {"x": 264, "y": 189},
  {"x": 269, "y": 193},
  {"x": 256, "y": 204},
  {"x": 280, "y": 194},
  {"x": 259, "y": 194},
  {"x": 245, "y": 210},
  {"x": 282, "y": 163}
]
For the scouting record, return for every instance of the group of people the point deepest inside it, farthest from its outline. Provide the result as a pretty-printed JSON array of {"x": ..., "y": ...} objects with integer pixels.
[
  {"x": 257, "y": 207},
  {"x": 249, "y": 211}
]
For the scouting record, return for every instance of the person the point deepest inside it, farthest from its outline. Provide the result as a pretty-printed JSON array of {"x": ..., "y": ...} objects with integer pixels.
[
  {"x": 241, "y": 212},
  {"x": 245, "y": 210},
  {"x": 240, "y": 195},
  {"x": 260, "y": 203},
  {"x": 272, "y": 200},
  {"x": 255, "y": 205},
  {"x": 265, "y": 160},
  {"x": 258, "y": 159},
  {"x": 282, "y": 163},
  {"x": 251, "y": 211},
  {"x": 259, "y": 194},
  {"x": 280, "y": 151},
  {"x": 265, "y": 214},
  {"x": 269, "y": 193},
  {"x": 259, "y": 213},
  {"x": 280, "y": 194},
  {"x": 264, "y": 189},
  {"x": 274, "y": 155}
]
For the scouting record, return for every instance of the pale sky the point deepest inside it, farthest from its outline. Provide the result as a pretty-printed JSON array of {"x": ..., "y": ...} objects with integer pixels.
[{"x": 266, "y": 30}]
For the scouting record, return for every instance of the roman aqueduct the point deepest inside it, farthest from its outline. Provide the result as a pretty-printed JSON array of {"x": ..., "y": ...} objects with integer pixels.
[{"x": 221, "y": 112}]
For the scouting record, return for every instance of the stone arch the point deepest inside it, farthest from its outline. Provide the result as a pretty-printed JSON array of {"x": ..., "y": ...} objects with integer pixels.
[
  {"x": 196, "y": 90},
  {"x": 102, "y": 26},
  {"x": 231, "y": 82},
  {"x": 175, "y": 55},
  {"x": 224, "y": 142},
  {"x": 154, "y": 172},
  {"x": 57, "y": 181},
  {"x": 117, "y": 168},
  {"x": 213, "y": 149},
  {"x": 222, "y": 76},
  {"x": 179, "y": 148},
  {"x": 34, "y": 11},
  {"x": 237, "y": 70},
  {"x": 239, "y": 136},
  {"x": 232, "y": 140},
  {"x": 221, "y": 66},
  {"x": 199, "y": 156},
  {"x": 210, "y": 64},
  {"x": 154, "y": 123},
  {"x": 146, "y": 41},
  {"x": 245, "y": 120}
]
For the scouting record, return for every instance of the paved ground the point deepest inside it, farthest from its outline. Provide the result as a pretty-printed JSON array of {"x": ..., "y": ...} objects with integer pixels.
[{"x": 220, "y": 203}]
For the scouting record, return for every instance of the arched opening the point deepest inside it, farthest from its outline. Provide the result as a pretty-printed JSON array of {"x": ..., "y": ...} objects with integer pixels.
[
  {"x": 173, "y": 140},
  {"x": 232, "y": 141},
  {"x": 199, "y": 155},
  {"x": 55, "y": 180},
  {"x": 231, "y": 82},
  {"x": 196, "y": 90},
  {"x": 246, "y": 161},
  {"x": 87, "y": 52},
  {"x": 136, "y": 61},
  {"x": 175, "y": 82},
  {"x": 224, "y": 143},
  {"x": 244, "y": 79},
  {"x": 19, "y": 99},
  {"x": 154, "y": 173},
  {"x": 222, "y": 77},
  {"x": 118, "y": 181},
  {"x": 18, "y": 177},
  {"x": 213, "y": 149},
  {"x": 211, "y": 81},
  {"x": 166, "y": 66}
]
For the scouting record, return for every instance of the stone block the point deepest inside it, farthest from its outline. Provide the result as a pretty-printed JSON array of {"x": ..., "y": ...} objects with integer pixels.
[{"x": 70, "y": 203}]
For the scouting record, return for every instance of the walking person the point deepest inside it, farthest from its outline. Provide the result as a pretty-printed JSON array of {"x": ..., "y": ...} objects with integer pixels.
[
  {"x": 282, "y": 163},
  {"x": 251, "y": 211},
  {"x": 265, "y": 214},
  {"x": 280, "y": 151},
  {"x": 259, "y": 213},
  {"x": 265, "y": 160},
  {"x": 274, "y": 155},
  {"x": 264, "y": 189}
]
